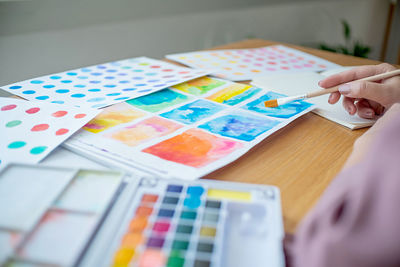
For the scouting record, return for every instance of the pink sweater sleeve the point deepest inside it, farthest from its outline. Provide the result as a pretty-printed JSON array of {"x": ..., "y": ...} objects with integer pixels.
[{"x": 357, "y": 220}]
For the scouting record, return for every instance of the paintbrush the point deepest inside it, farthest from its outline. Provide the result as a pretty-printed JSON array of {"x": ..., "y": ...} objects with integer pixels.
[{"x": 284, "y": 100}]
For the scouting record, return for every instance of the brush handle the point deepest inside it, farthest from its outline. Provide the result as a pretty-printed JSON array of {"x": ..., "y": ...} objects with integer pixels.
[{"x": 374, "y": 78}]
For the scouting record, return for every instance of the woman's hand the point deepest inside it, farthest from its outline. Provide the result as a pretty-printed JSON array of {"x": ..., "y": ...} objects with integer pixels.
[{"x": 367, "y": 99}]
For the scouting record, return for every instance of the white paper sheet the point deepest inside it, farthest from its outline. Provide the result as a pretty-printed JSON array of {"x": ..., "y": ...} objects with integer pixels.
[
  {"x": 246, "y": 64},
  {"x": 186, "y": 131},
  {"x": 30, "y": 130},
  {"x": 105, "y": 84}
]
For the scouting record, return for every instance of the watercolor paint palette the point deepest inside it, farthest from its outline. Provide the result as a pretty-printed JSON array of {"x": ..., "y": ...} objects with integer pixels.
[
  {"x": 246, "y": 64},
  {"x": 105, "y": 218},
  {"x": 185, "y": 131},
  {"x": 54, "y": 212},
  {"x": 30, "y": 130},
  {"x": 104, "y": 84}
]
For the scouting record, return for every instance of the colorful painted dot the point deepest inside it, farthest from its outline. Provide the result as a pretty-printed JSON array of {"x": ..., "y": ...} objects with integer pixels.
[
  {"x": 62, "y": 131},
  {"x": 111, "y": 70},
  {"x": 62, "y": 91},
  {"x": 110, "y": 85},
  {"x": 14, "y": 87},
  {"x": 96, "y": 99},
  {"x": 72, "y": 73},
  {"x": 38, "y": 150},
  {"x": 95, "y": 82},
  {"x": 98, "y": 106},
  {"x": 40, "y": 127},
  {"x": 83, "y": 77},
  {"x": 124, "y": 81},
  {"x": 151, "y": 74},
  {"x": 58, "y": 102},
  {"x": 79, "y": 116},
  {"x": 78, "y": 95},
  {"x": 94, "y": 90},
  {"x": 122, "y": 98},
  {"x": 42, "y": 97},
  {"x": 109, "y": 77},
  {"x": 16, "y": 144},
  {"x": 59, "y": 113},
  {"x": 113, "y": 94},
  {"x": 138, "y": 70},
  {"x": 55, "y": 77},
  {"x": 80, "y": 86},
  {"x": 86, "y": 70},
  {"x": 129, "y": 89},
  {"x": 96, "y": 73},
  {"x": 8, "y": 107},
  {"x": 32, "y": 110},
  {"x": 101, "y": 67},
  {"x": 29, "y": 92},
  {"x": 36, "y": 82},
  {"x": 48, "y": 86},
  {"x": 13, "y": 123},
  {"x": 66, "y": 81}
]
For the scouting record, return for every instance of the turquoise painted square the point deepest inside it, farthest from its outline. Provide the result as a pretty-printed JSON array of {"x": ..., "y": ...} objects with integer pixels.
[
  {"x": 158, "y": 101},
  {"x": 193, "y": 112},
  {"x": 284, "y": 111}
]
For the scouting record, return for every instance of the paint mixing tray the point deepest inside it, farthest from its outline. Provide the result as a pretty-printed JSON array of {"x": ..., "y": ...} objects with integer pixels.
[{"x": 63, "y": 217}]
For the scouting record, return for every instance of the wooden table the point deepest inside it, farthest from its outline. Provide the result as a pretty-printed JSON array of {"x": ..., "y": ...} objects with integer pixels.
[{"x": 302, "y": 158}]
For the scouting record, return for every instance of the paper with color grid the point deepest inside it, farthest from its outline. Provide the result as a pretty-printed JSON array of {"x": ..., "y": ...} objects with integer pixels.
[
  {"x": 30, "y": 130},
  {"x": 246, "y": 64},
  {"x": 185, "y": 131},
  {"x": 105, "y": 84}
]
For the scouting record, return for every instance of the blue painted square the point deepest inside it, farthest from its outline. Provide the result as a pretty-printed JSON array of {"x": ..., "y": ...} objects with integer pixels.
[
  {"x": 285, "y": 111},
  {"x": 193, "y": 112},
  {"x": 244, "y": 127}
]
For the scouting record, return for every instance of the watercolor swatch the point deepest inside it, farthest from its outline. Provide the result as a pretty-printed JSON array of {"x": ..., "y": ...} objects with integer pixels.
[
  {"x": 234, "y": 94},
  {"x": 193, "y": 148},
  {"x": 113, "y": 116},
  {"x": 246, "y": 64},
  {"x": 145, "y": 130},
  {"x": 193, "y": 112},
  {"x": 158, "y": 101},
  {"x": 30, "y": 130},
  {"x": 199, "y": 86},
  {"x": 284, "y": 111},
  {"x": 105, "y": 84},
  {"x": 245, "y": 127}
]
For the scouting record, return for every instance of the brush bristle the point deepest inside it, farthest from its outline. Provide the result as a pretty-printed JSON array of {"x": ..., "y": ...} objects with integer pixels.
[{"x": 271, "y": 103}]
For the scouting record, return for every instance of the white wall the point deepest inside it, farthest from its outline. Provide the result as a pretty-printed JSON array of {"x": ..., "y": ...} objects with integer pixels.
[{"x": 42, "y": 37}]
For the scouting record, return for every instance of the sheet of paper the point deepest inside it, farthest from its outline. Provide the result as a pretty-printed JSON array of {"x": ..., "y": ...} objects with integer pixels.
[
  {"x": 185, "y": 131},
  {"x": 30, "y": 130},
  {"x": 105, "y": 84},
  {"x": 26, "y": 193},
  {"x": 299, "y": 83},
  {"x": 246, "y": 64}
]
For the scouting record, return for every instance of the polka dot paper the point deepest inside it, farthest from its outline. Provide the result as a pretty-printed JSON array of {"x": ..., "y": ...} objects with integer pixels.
[
  {"x": 246, "y": 64},
  {"x": 105, "y": 84},
  {"x": 30, "y": 130}
]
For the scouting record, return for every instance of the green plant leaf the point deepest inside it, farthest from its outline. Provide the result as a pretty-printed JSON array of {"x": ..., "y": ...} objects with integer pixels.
[
  {"x": 327, "y": 48},
  {"x": 344, "y": 50},
  {"x": 346, "y": 30},
  {"x": 361, "y": 50}
]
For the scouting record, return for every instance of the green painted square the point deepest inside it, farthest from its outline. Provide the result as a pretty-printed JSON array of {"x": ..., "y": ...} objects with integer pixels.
[
  {"x": 184, "y": 229},
  {"x": 190, "y": 215},
  {"x": 175, "y": 260},
  {"x": 180, "y": 245},
  {"x": 158, "y": 101}
]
